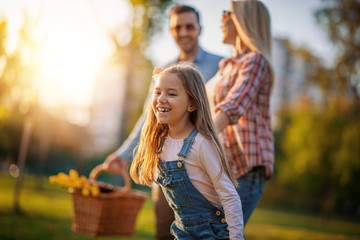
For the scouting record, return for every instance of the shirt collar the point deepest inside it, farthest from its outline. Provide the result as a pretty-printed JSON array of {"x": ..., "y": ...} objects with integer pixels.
[
  {"x": 200, "y": 55},
  {"x": 233, "y": 60},
  {"x": 236, "y": 59}
]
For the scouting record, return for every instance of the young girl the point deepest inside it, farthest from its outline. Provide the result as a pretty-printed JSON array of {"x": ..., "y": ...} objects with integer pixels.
[{"x": 178, "y": 145}]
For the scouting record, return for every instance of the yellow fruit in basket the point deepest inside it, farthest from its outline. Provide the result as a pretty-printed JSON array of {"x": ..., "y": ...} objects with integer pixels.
[
  {"x": 73, "y": 174},
  {"x": 83, "y": 180},
  {"x": 53, "y": 179},
  {"x": 95, "y": 191},
  {"x": 66, "y": 183},
  {"x": 86, "y": 185},
  {"x": 76, "y": 183},
  {"x": 85, "y": 191},
  {"x": 62, "y": 177}
]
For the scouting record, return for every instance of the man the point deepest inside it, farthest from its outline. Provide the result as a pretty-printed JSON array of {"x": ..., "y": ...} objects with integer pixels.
[{"x": 185, "y": 28}]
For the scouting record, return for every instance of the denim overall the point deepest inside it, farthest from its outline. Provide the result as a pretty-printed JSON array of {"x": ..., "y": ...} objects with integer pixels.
[{"x": 195, "y": 216}]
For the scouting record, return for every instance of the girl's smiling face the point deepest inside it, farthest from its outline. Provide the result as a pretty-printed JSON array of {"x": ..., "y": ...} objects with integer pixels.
[{"x": 170, "y": 101}]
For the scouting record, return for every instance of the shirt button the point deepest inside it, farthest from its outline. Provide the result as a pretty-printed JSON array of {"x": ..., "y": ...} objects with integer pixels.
[
  {"x": 223, "y": 220},
  {"x": 218, "y": 213}
]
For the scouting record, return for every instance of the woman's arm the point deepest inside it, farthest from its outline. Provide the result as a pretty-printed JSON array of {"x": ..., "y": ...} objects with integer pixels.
[
  {"x": 249, "y": 77},
  {"x": 221, "y": 120}
]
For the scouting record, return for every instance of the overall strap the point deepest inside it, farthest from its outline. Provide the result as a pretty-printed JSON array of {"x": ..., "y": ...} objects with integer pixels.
[{"x": 187, "y": 144}]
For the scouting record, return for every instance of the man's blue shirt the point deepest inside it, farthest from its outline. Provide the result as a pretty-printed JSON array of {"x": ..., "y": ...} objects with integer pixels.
[{"x": 207, "y": 63}]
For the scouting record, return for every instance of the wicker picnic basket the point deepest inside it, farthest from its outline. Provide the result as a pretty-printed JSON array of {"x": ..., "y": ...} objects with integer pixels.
[{"x": 113, "y": 213}]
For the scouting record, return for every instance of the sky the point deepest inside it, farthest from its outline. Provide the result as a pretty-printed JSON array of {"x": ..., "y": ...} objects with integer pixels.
[{"x": 76, "y": 39}]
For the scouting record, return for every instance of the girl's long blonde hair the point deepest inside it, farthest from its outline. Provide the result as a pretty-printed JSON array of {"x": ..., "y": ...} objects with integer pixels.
[
  {"x": 145, "y": 161},
  {"x": 252, "y": 22}
]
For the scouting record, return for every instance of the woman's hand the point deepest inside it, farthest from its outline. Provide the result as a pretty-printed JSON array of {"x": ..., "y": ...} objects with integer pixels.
[{"x": 221, "y": 120}]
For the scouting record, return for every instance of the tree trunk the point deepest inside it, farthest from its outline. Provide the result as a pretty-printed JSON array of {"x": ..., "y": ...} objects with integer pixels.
[{"x": 26, "y": 132}]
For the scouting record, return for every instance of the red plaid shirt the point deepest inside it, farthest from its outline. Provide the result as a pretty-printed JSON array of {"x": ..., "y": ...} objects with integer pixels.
[{"x": 243, "y": 94}]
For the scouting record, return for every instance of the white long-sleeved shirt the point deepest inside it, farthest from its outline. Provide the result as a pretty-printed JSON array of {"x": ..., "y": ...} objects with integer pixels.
[{"x": 203, "y": 167}]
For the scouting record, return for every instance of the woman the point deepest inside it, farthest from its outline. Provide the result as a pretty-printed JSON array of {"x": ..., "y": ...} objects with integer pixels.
[{"x": 241, "y": 92}]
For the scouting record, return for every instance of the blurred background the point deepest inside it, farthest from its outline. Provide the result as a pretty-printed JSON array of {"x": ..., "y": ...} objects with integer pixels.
[{"x": 74, "y": 75}]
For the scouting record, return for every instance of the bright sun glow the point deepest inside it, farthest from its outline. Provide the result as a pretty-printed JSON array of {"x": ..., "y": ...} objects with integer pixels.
[
  {"x": 71, "y": 57},
  {"x": 74, "y": 45},
  {"x": 68, "y": 73}
]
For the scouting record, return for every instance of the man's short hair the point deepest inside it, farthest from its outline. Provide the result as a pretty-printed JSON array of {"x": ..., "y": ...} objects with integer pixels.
[{"x": 184, "y": 8}]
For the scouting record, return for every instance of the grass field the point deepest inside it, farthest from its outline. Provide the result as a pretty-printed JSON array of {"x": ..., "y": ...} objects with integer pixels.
[{"x": 47, "y": 216}]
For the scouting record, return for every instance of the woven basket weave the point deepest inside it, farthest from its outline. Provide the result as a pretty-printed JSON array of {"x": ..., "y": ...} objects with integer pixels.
[{"x": 113, "y": 213}]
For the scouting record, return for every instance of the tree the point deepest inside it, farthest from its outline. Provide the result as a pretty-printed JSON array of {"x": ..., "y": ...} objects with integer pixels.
[
  {"x": 17, "y": 95},
  {"x": 147, "y": 20},
  {"x": 341, "y": 19},
  {"x": 21, "y": 126},
  {"x": 318, "y": 152},
  {"x": 319, "y": 157}
]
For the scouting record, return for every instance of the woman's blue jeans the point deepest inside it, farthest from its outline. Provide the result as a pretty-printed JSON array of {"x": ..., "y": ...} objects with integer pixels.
[{"x": 250, "y": 189}]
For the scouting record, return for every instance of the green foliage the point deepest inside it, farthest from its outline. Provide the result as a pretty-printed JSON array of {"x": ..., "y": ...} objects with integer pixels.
[
  {"x": 341, "y": 19},
  {"x": 148, "y": 16},
  {"x": 317, "y": 144},
  {"x": 147, "y": 20},
  {"x": 320, "y": 156}
]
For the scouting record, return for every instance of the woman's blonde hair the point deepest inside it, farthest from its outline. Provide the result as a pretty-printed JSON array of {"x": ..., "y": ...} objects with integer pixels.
[
  {"x": 145, "y": 161},
  {"x": 252, "y": 22}
]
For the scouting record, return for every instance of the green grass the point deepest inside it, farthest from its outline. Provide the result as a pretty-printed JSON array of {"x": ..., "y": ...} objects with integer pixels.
[
  {"x": 47, "y": 215},
  {"x": 271, "y": 224}
]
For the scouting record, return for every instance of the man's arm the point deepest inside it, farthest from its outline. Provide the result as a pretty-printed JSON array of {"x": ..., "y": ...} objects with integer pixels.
[
  {"x": 119, "y": 160},
  {"x": 125, "y": 151}
]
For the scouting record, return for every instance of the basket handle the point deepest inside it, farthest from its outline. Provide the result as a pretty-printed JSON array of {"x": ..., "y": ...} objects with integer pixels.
[{"x": 100, "y": 168}]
